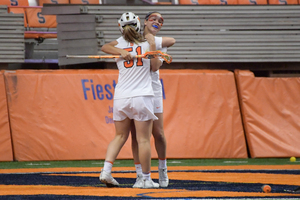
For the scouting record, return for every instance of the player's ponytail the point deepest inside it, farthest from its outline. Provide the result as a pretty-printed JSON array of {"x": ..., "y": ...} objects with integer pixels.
[{"x": 131, "y": 35}]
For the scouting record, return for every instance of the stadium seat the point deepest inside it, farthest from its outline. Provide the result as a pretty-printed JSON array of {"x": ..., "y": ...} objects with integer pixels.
[
  {"x": 194, "y": 2},
  {"x": 84, "y": 1},
  {"x": 226, "y": 2},
  {"x": 38, "y": 24},
  {"x": 223, "y": 2},
  {"x": 283, "y": 2},
  {"x": 42, "y": 2},
  {"x": 14, "y": 2},
  {"x": 252, "y": 2},
  {"x": 13, "y": 9}
]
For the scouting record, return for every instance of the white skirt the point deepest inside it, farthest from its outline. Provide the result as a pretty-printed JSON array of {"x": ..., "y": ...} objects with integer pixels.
[
  {"x": 158, "y": 104},
  {"x": 137, "y": 108}
]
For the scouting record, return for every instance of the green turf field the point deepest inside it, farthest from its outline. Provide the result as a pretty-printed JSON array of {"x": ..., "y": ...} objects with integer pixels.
[{"x": 129, "y": 163}]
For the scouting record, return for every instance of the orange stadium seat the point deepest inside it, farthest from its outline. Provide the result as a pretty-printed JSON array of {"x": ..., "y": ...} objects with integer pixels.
[
  {"x": 13, "y": 9},
  {"x": 14, "y": 2},
  {"x": 84, "y": 1},
  {"x": 283, "y": 2},
  {"x": 42, "y": 2},
  {"x": 194, "y": 2},
  {"x": 35, "y": 19},
  {"x": 224, "y": 2},
  {"x": 252, "y": 2}
]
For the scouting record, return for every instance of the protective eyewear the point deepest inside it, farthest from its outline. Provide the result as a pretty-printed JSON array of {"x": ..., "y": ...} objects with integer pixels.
[{"x": 159, "y": 19}]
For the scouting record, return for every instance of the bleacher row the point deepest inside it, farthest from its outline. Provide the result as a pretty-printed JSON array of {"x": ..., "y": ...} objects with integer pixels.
[
  {"x": 212, "y": 34},
  {"x": 41, "y": 2},
  {"x": 11, "y": 37}
]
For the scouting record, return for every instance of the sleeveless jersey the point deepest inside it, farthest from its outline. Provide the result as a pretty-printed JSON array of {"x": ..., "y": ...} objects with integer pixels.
[{"x": 134, "y": 75}]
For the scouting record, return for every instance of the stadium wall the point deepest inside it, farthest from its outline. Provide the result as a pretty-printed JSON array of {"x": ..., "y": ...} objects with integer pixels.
[
  {"x": 67, "y": 114},
  {"x": 271, "y": 114},
  {"x": 6, "y": 152}
]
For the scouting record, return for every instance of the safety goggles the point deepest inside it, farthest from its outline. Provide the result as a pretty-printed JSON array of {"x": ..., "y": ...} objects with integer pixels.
[{"x": 156, "y": 18}]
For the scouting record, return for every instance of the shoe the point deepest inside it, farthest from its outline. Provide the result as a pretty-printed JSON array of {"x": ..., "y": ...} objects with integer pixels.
[
  {"x": 297, "y": 190},
  {"x": 143, "y": 183},
  {"x": 139, "y": 178},
  {"x": 163, "y": 177},
  {"x": 107, "y": 179}
]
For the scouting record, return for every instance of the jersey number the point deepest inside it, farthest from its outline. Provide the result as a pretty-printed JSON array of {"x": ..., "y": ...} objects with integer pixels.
[{"x": 139, "y": 62}]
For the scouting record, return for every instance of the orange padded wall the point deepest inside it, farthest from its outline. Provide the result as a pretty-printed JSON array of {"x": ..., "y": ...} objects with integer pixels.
[
  {"x": 61, "y": 114},
  {"x": 67, "y": 114},
  {"x": 271, "y": 114},
  {"x": 5, "y": 137},
  {"x": 201, "y": 114}
]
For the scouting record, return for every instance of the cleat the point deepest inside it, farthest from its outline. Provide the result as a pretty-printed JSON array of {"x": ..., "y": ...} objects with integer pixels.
[
  {"x": 139, "y": 179},
  {"x": 163, "y": 177},
  {"x": 144, "y": 184},
  {"x": 107, "y": 179}
]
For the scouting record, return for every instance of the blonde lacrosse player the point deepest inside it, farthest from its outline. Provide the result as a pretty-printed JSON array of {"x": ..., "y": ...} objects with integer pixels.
[{"x": 133, "y": 98}]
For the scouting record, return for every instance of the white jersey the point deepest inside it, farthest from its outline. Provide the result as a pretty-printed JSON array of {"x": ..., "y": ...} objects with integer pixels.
[
  {"x": 134, "y": 75},
  {"x": 156, "y": 84}
]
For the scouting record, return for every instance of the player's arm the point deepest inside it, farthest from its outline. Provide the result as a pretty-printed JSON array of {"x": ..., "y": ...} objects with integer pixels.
[
  {"x": 168, "y": 41},
  {"x": 155, "y": 63},
  {"x": 110, "y": 48}
]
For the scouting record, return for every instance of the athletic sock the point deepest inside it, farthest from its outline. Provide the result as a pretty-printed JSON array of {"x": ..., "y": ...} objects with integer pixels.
[
  {"x": 138, "y": 168},
  {"x": 107, "y": 166},
  {"x": 162, "y": 163},
  {"x": 147, "y": 176}
]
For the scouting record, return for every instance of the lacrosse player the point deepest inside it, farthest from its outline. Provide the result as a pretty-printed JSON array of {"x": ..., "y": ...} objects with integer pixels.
[{"x": 152, "y": 25}]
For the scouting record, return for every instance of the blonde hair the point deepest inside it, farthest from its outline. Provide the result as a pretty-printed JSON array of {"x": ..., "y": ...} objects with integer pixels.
[{"x": 131, "y": 35}]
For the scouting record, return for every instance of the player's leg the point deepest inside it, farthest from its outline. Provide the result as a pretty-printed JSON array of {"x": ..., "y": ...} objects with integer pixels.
[
  {"x": 114, "y": 147},
  {"x": 143, "y": 120},
  {"x": 160, "y": 142},
  {"x": 143, "y": 135},
  {"x": 135, "y": 153},
  {"x": 122, "y": 127},
  {"x": 143, "y": 129},
  {"x": 159, "y": 136},
  {"x": 121, "y": 136}
]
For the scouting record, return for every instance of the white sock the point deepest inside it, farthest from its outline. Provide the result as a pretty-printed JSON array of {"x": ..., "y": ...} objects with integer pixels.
[
  {"x": 162, "y": 163},
  {"x": 107, "y": 166},
  {"x": 138, "y": 168},
  {"x": 147, "y": 176}
]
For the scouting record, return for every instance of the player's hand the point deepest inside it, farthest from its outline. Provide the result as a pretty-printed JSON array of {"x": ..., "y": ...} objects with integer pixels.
[{"x": 126, "y": 55}]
